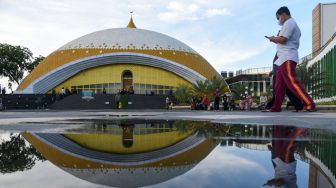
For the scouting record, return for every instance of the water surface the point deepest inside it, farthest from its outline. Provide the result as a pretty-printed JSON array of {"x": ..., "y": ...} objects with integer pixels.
[{"x": 174, "y": 153}]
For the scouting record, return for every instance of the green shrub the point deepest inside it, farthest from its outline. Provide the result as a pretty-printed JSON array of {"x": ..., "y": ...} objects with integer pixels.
[
  {"x": 124, "y": 101},
  {"x": 327, "y": 103},
  {"x": 183, "y": 94}
]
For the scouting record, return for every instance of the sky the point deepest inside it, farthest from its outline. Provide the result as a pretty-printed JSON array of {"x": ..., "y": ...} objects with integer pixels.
[{"x": 228, "y": 33}]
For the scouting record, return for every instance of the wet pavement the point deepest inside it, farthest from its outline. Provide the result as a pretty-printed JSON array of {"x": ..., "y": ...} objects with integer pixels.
[
  {"x": 167, "y": 149},
  {"x": 315, "y": 119}
]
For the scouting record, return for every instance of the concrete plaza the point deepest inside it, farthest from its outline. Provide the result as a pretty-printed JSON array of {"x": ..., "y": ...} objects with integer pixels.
[{"x": 45, "y": 120}]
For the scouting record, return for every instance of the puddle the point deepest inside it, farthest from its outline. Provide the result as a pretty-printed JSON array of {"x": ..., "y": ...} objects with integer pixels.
[{"x": 168, "y": 153}]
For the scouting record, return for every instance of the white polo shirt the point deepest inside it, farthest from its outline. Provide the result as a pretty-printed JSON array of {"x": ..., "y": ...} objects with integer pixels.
[
  {"x": 286, "y": 172},
  {"x": 289, "y": 50}
]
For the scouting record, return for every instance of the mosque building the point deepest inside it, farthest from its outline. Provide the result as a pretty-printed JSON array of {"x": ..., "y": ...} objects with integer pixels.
[{"x": 119, "y": 58}]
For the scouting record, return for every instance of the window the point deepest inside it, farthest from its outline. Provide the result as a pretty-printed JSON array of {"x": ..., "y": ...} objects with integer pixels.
[{"x": 117, "y": 86}]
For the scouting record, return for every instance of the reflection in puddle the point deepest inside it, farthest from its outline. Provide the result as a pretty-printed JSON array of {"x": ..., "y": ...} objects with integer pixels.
[
  {"x": 146, "y": 153},
  {"x": 135, "y": 153},
  {"x": 17, "y": 155}
]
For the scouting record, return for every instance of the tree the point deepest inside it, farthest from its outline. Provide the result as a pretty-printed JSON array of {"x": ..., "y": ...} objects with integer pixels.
[
  {"x": 207, "y": 87},
  {"x": 216, "y": 83},
  {"x": 15, "y": 61},
  {"x": 183, "y": 93},
  {"x": 15, "y": 155},
  {"x": 35, "y": 62},
  {"x": 240, "y": 88},
  {"x": 201, "y": 88}
]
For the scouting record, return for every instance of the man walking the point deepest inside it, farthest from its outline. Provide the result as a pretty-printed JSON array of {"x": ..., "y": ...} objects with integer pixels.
[
  {"x": 294, "y": 100},
  {"x": 288, "y": 43}
]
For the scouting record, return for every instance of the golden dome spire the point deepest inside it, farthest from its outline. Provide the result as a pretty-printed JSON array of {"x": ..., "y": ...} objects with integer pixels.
[{"x": 131, "y": 23}]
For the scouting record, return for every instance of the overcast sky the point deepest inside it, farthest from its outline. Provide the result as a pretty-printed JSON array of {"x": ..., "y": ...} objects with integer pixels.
[{"x": 228, "y": 33}]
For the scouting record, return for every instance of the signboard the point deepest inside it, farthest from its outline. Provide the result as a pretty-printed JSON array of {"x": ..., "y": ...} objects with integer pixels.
[{"x": 87, "y": 95}]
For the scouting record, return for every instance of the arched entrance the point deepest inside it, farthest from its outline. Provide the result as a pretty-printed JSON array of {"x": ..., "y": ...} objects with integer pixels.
[{"x": 127, "y": 79}]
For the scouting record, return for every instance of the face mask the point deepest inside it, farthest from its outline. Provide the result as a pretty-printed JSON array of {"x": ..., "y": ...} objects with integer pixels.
[{"x": 280, "y": 22}]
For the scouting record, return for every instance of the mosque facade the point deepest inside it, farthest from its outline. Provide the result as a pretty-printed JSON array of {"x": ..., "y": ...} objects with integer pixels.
[{"x": 120, "y": 58}]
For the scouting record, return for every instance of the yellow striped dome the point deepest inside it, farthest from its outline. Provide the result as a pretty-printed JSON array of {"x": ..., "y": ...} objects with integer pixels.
[{"x": 116, "y": 46}]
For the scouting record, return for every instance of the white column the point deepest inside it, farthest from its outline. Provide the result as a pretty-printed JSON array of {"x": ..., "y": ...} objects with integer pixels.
[
  {"x": 259, "y": 88},
  {"x": 264, "y": 86}
]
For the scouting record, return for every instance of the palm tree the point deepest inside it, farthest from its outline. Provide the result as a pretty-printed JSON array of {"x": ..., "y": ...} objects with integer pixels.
[
  {"x": 216, "y": 83},
  {"x": 183, "y": 93},
  {"x": 201, "y": 88},
  {"x": 240, "y": 88}
]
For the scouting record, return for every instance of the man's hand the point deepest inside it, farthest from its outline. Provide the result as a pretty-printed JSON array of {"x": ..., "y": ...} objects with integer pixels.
[
  {"x": 280, "y": 39},
  {"x": 273, "y": 39}
]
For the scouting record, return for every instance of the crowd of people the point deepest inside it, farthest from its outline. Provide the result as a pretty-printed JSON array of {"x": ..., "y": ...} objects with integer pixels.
[
  {"x": 245, "y": 102},
  {"x": 227, "y": 102}
]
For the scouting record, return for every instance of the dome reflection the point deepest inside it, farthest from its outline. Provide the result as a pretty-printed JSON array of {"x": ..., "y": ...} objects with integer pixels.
[{"x": 145, "y": 153}]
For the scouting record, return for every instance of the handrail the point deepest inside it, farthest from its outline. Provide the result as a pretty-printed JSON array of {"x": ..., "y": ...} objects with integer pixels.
[
  {"x": 262, "y": 70},
  {"x": 314, "y": 54}
]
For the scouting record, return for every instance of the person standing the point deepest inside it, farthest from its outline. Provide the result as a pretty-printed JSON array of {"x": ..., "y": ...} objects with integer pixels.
[
  {"x": 193, "y": 103},
  {"x": 288, "y": 43},
  {"x": 62, "y": 92},
  {"x": 263, "y": 101},
  {"x": 167, "y": 103},
  {"x": 217, "y": 98},
  {"x": 3, "y": 90},
  {"x": 225, "y": 102},
  {"x": 232, "y": 104},
  {"x": 249, "y": 102},
  {"x": 242, "y": 101},
  {"x": 205, "y": 102},
  {"x": 117, "y": 100}
]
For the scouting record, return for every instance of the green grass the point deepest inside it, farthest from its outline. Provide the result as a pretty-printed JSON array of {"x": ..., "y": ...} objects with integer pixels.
[{"x": 327, "y": 103}]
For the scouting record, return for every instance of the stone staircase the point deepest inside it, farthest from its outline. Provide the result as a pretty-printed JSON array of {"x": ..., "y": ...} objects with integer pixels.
[
  {"x": 75, "y": 101},
  {"x": 146, "y": 102},
  {"x": 26, "y": 101},
  {"x": 106, "y": 101}
]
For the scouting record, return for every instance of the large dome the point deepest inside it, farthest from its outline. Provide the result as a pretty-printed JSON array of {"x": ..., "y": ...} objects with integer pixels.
[
  {"x": 111, "y": 52},
  {"x": 127, "y": 38}
]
